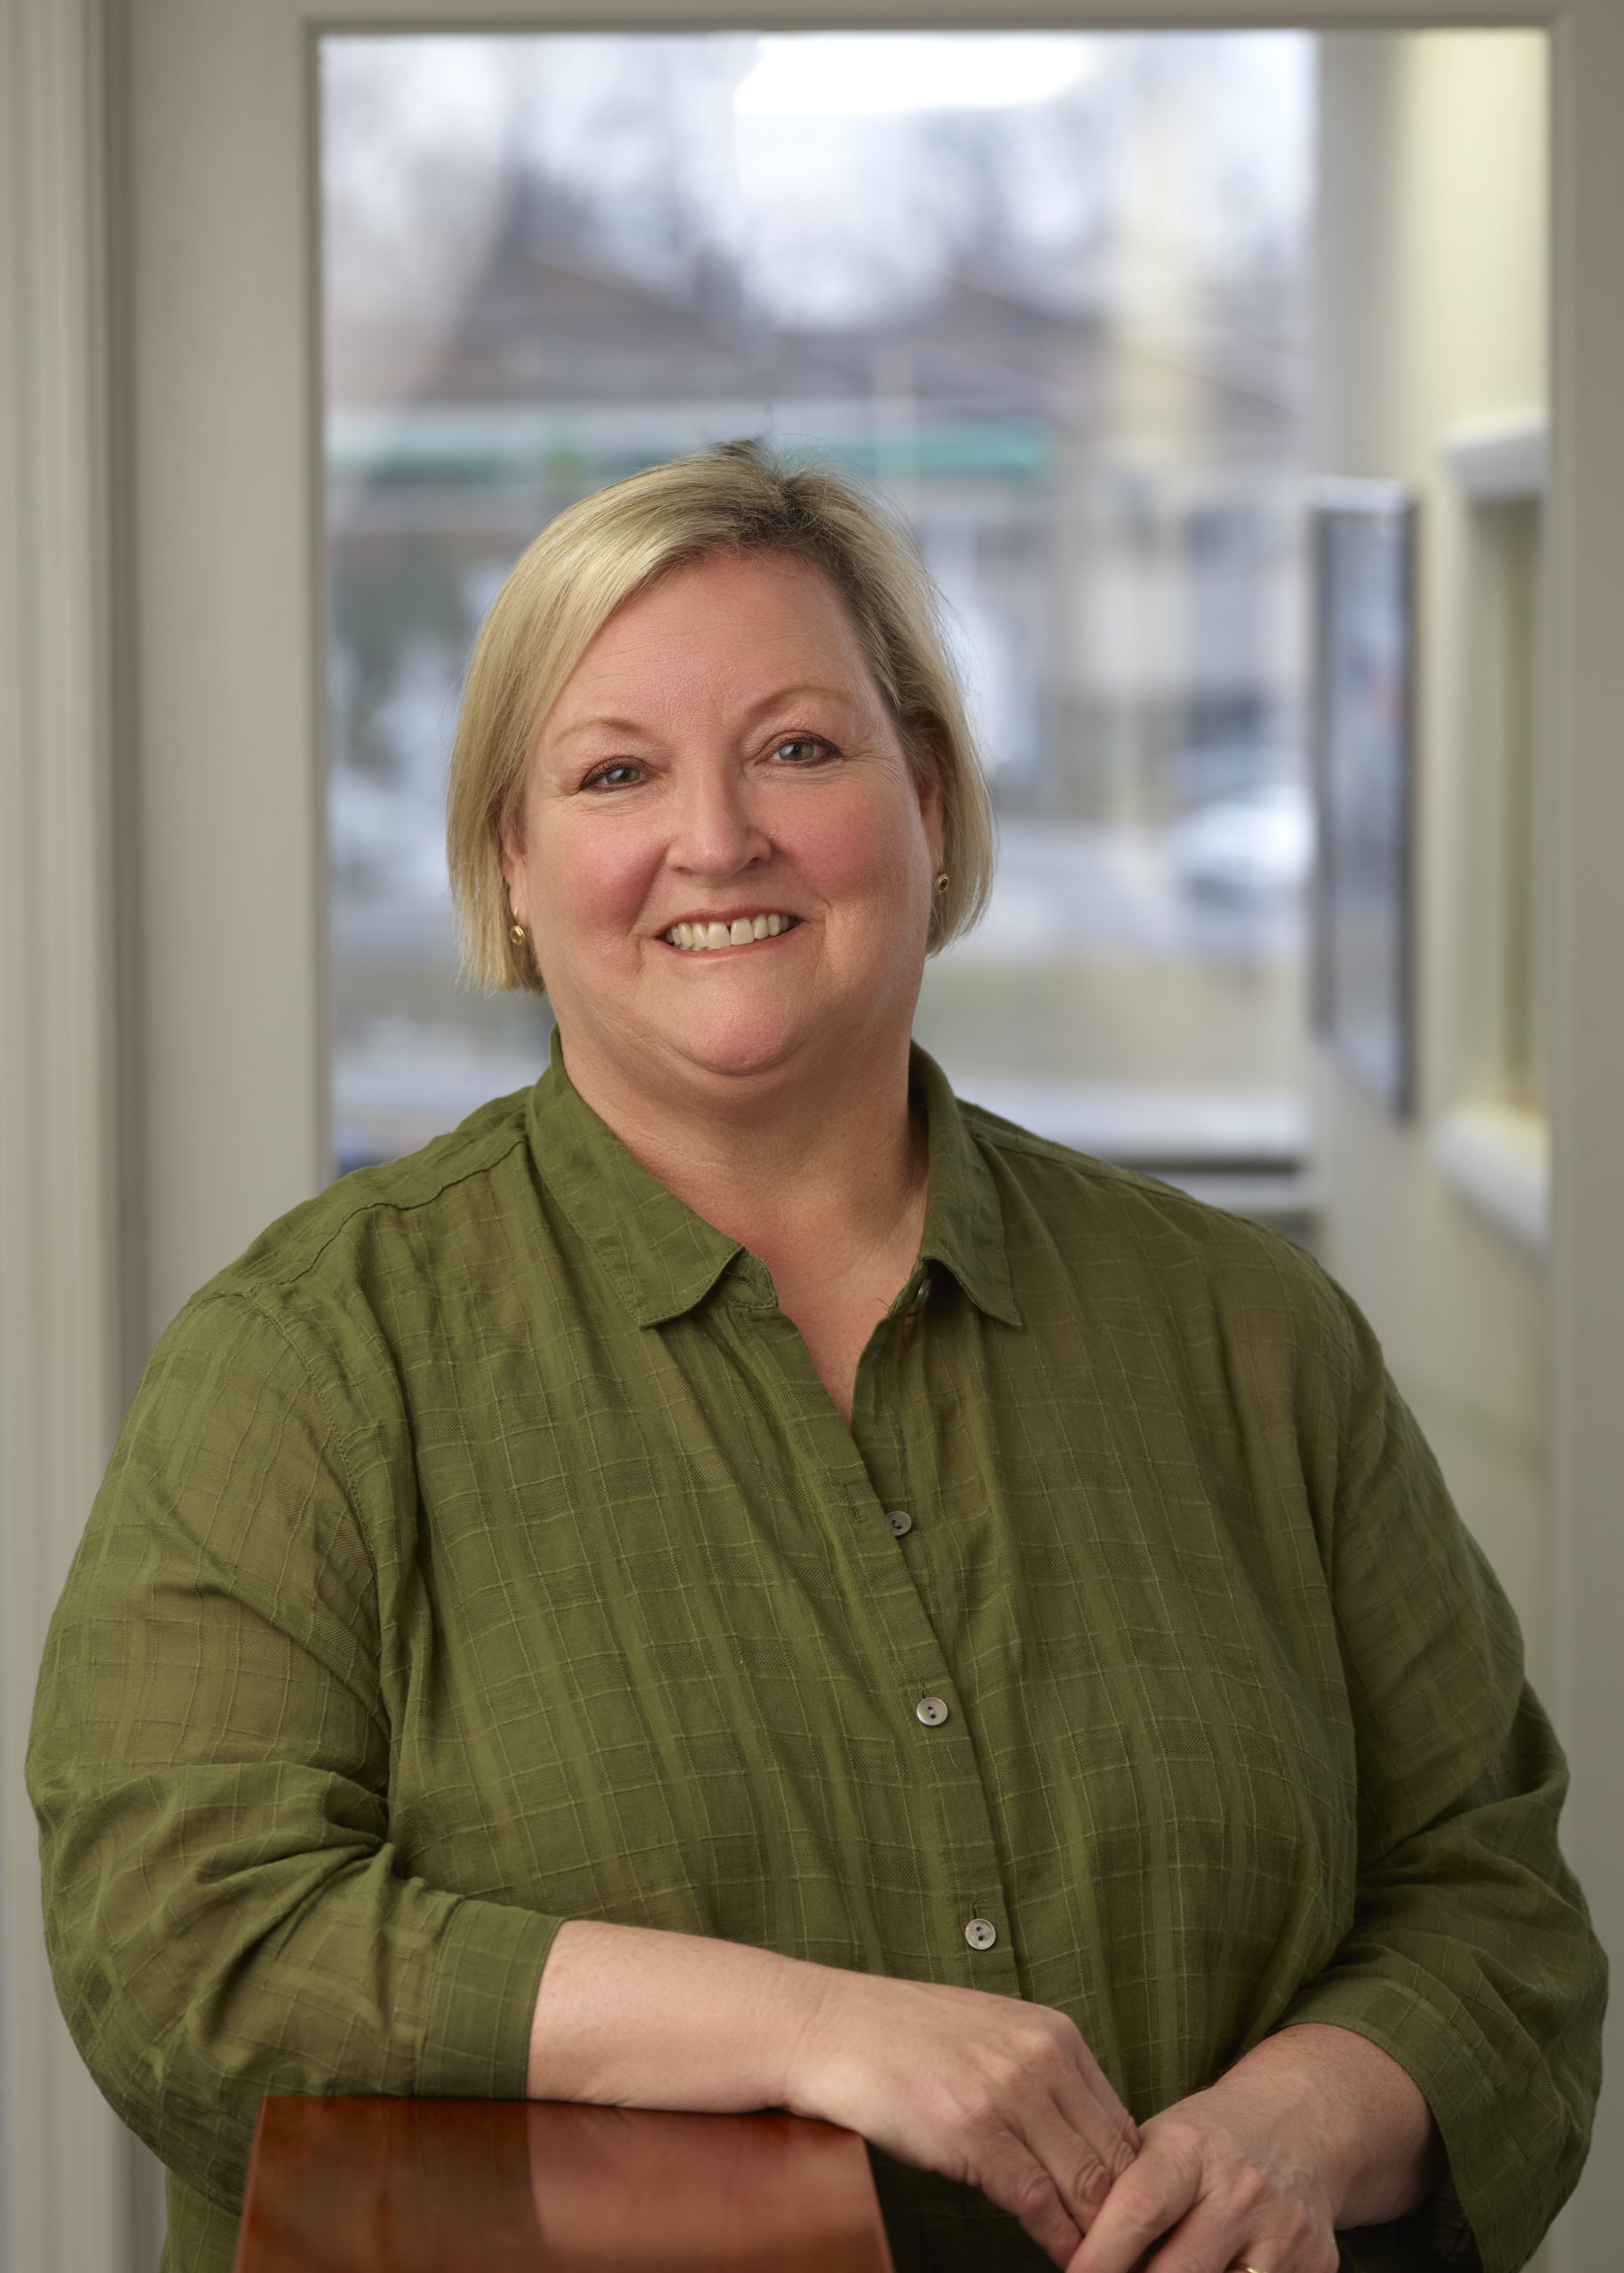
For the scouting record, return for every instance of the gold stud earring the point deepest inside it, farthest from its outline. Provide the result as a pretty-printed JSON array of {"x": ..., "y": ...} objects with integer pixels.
[
  {"x": 516, "y": 932},
  {"x": 941, "y": 881}
]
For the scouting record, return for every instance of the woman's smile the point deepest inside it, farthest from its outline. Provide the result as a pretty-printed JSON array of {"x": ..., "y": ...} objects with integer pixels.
[{"x": 703, "y": 934}]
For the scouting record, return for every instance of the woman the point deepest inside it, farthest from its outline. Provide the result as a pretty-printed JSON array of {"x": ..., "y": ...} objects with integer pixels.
[{"x": 736, "y": 1581}]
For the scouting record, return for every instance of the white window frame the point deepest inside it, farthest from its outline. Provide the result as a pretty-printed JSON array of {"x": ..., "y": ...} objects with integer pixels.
[
  {"x": 162, "y": 1042},
  {"x": 1494, "y": 1152}
]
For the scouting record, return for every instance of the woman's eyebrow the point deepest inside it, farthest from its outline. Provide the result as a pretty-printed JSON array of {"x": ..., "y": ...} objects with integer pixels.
[
  {"x": 790, "y": 694},
  {"x": 600, "y": 726},
  {"x": 767, "y": 703}
]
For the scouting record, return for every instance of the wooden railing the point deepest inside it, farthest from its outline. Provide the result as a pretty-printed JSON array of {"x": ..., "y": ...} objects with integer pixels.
[{"x": 358, "y": 2185}]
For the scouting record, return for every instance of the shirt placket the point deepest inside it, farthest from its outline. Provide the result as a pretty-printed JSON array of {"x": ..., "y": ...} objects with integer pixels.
[{"x": 888, "y": 1522}]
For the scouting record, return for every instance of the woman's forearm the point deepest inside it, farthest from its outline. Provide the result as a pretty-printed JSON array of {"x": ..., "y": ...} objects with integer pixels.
[
  {"x": 987, "y": 2090},
  {"x": 629, "y": 2016},
  {"x": 1376, "y": 2133}
]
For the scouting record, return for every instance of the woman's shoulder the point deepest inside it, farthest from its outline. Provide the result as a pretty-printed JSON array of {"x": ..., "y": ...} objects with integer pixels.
[
  {"x": 383, "y": 1228},
  {"x": 1171, "y": 1249},
  {"x": 1102, "y": 1190}
]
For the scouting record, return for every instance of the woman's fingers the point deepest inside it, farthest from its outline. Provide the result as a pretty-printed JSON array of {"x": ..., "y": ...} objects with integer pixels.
[
  {"x": 1052, "y": 2150},
  {"x": 1147, "y": 2201},
  {"x": 1055, "y": 2101},
  {"x": 1081, "y": 2135},
  {"x": 1205, "y": 2194},
  {"x": 1212, "y": 2240},
  {"x": 1019, "y": 2184}
]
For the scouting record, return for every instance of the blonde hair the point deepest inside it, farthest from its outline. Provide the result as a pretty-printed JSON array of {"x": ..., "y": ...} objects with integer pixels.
[{"x": 599, "y": 553}]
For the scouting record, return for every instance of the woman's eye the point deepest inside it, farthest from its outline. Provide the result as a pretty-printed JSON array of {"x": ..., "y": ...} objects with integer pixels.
[
  {"x": 620, "y": 773},
  {"x": 800, "y": 749}
]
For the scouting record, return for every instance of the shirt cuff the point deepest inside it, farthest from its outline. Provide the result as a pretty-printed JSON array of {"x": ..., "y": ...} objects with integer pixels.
[
  {"x": 482, "y": 1997},
  {"x": 1486, "y": 2212}
]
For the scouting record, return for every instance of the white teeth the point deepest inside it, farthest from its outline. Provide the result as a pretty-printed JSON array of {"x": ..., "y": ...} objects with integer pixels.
[{"x": 741, "y": 932}]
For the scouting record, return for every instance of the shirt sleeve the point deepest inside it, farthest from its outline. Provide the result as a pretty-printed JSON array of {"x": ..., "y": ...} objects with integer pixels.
[
  {"x": 209, "y": 1764},
  {"x": 1470, "y": 1960}
]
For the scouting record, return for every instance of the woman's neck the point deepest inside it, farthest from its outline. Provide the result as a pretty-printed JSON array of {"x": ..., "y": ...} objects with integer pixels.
[{"x": 775, "y": 1162}]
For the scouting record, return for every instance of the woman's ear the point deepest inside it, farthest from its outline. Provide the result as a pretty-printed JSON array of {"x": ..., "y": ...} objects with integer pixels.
[{"x": 511, "y": 836}]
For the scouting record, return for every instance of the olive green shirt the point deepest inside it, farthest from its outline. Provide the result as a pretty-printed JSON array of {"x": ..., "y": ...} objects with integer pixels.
[{"x": 481, "y": 1550}]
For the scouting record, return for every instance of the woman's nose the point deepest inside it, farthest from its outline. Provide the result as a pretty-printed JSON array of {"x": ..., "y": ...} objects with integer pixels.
[{"x": 716, "y": 832}]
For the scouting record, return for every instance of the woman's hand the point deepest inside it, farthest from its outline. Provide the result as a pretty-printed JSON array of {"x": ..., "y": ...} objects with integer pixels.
[
  {"x": 996, "y": 2094},
  {"x": 999, "y": 2095},
  {"x": 1315, "y": 2129}
]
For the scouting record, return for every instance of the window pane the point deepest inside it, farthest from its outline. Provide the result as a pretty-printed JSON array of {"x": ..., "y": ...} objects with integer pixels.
[{"x": 1047, "y": 291}]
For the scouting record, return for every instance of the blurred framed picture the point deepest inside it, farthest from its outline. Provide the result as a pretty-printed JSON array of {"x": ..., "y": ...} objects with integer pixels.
[{"x": 1362, "y": 749}]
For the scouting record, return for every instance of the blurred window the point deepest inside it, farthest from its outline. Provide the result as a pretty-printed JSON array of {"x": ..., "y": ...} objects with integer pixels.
[{"x": 1047, "y": 291}]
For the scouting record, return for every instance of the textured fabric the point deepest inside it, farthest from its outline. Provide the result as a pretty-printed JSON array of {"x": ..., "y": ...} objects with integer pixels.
[{"x": 482, "y": 1551}]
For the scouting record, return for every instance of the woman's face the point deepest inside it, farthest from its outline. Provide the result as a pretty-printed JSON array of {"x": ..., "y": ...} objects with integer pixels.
[{"x": 721, "y": 765}]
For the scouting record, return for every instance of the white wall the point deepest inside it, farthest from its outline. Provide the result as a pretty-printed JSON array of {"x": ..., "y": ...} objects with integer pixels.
[
  {"x": 67, "y": 2171},
  {"x": 1432, "y": 286}
]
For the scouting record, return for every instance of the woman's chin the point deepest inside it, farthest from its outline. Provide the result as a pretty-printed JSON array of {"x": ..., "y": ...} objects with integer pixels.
[{"x": 746, "y": 1043}]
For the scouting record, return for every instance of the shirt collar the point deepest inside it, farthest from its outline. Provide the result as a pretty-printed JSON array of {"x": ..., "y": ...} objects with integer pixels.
[
  {"x": 661, "y": 1256},
  {"x": 963, "y": 1219},
  {"x": 663, "y": 1259}
]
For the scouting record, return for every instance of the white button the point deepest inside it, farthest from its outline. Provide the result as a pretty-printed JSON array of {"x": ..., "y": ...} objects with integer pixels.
[
  {"x": 981, "y": 1933},
  {"x": 900, "y": 1522},
  {"x": 931, "y": 1710}
]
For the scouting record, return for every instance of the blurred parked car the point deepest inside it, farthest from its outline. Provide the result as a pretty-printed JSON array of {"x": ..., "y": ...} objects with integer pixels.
[{"x": 1257, "y": 845}]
